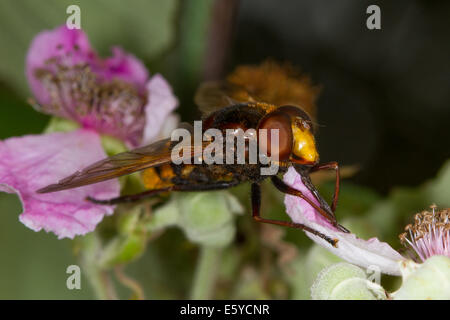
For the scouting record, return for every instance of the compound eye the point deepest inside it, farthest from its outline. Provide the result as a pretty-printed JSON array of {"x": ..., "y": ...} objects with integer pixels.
[{"x": 282, "y": 123}]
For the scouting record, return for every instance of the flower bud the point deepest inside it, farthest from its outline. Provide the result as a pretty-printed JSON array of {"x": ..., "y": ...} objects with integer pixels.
[
  {"x": 207, "y": 218},
  {"x": 164, "y": 216},
  {"x": 427, "y": 281},
  {"x": 344, "y": 281}
]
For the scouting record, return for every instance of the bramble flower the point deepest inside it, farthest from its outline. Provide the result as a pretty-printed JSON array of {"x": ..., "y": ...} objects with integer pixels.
[
  {"x": 428, "y": 280},
  {"x": 430, "y": 233},
  {"x": 364, "y": 253},
  {"x": 429, "y": 239},
  {"x": 112, "y": 97}
]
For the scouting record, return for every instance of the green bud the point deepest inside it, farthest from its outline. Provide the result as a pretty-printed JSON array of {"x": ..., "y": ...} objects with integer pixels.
[
  {"x": 129, "y": 221},
  {"x": 60, "y": 125},
  {"x": 344, "y": 281},
  {"x": 164, "y": 216},
  {"x": 207, "y": 217},
  {"x": 427, "y": 281},
  {"x": 352, "y": 289},
  {"x": 218, "y": 238}
]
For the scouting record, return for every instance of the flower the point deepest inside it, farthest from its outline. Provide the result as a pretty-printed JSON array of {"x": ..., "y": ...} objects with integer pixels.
[
  {"x": 429, "y": 239},
  {"x": 364, "y": 253},
  {"x": 112, "y": 96},
  {"x": 430, "y": 233}
]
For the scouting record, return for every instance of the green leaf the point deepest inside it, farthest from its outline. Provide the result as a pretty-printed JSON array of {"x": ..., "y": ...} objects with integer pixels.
[{"x": 143, "y": 27}]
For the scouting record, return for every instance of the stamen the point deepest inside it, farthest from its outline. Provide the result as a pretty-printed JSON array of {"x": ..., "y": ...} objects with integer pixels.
[
  {"x": 430, "y": 234},
  {"x": 76, "y": 92}
]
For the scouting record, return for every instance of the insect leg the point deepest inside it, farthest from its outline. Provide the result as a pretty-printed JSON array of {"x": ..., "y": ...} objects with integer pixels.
[
  {"x": 206, "y": 187},
  {"x": 129, "y": 198},
  {"x": 152, "y": 192},
  {"x": 331, "y": 165},
  {"x": 256, "y": 206},
  {"x": 280, "y": 185}
]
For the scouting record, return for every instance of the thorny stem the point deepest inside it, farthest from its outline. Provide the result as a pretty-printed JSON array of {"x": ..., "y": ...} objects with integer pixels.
[{"x": 205, "y": 273}]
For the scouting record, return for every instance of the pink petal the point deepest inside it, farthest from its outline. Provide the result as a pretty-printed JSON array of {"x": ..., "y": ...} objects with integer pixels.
[
  {"x": 32, "y": 162},
  {"x": 364, "y": 253},
  {"x": 126, "y": 67},
  {"x": 69, "y": 47},
  {"x": 161, "y": 102}
]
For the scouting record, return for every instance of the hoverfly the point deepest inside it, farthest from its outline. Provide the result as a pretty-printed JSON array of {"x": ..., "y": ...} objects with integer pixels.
[{"x": 269, "y": 96}]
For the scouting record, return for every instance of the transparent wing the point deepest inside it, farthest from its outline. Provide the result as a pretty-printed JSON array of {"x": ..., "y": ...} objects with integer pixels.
[
  {"x": 214, "y": 95},
  {"x": 155, "y": 154}
]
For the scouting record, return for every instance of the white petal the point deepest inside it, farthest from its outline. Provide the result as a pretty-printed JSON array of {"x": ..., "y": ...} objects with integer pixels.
[{"x": 370, "y": 253}]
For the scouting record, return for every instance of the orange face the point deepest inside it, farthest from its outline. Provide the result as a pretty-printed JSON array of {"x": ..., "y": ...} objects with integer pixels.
[
  {"x": 296, "y": 139},
  {"x": 304, "y": 145}
]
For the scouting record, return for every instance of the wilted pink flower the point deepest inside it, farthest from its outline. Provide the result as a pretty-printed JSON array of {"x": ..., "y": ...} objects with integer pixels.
[
  {"x": 364, "y": 253},
  {"x": 112, "y": 96},
  {"x": 430, "y": 233}
]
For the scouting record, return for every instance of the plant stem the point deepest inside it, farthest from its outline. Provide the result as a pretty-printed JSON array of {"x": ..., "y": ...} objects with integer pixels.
[
  {"x": 205, "y": 273},
  {"x": 133, "y": 285},
  {"x": 99, "y": 279}
]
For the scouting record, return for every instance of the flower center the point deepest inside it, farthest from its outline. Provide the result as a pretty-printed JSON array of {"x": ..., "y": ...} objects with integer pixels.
[
  {"x": 430, "y": 233},
  {"x": 77, "y": 92}
]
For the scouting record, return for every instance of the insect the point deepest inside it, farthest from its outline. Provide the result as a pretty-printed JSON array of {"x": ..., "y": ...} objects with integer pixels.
[{"x": 245, "y": 100}]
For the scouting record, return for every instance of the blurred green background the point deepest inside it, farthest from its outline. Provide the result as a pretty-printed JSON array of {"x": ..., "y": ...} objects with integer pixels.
[{"x": 384, "y": 106}]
